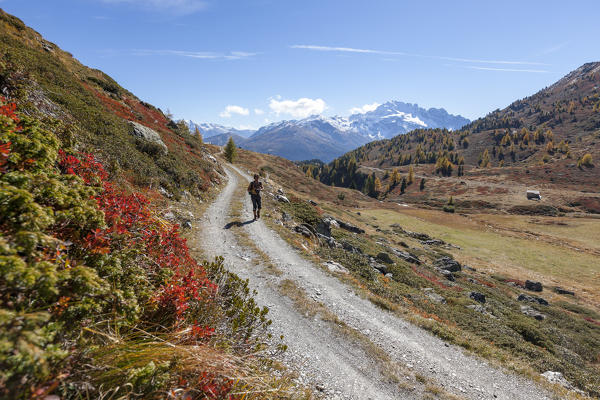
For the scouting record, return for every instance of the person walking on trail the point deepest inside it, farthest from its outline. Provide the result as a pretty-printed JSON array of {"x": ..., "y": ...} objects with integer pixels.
[{"x": 254, "y": 190}]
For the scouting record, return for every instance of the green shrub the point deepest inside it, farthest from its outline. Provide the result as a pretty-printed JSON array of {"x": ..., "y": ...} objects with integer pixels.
[{"x": 303, "y": 211}]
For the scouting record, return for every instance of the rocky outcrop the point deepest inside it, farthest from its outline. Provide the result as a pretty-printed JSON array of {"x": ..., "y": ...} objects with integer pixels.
[
  {"x": 560, "y": 290},
  {"x": 532, "y": 312},
  {"x": 305, "y": 230},
  {"x": 478, "y": 297},
  {"x": 558, "y": 378},
  {"x": 148, "y": 135},
  {"x": 350, "y": 227},
  {"x": 335, "y": 267},
  {"x": 406, "y": 256},
  {"x": 384, "y": 258},
  {"x": 447, "y": 264},
  {"x": 532, "y": 299},
  {"x": 433, "y": 296}
]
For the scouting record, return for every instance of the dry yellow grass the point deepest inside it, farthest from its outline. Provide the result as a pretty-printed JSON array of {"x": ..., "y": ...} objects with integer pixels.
[{"x": 498, "y": 249}]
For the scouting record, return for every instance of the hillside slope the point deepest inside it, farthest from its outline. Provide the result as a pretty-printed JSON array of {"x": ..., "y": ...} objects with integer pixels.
[
  {"x": 551, "y": 136},
  {"x": 91, "y": 107},
  {"x": 461, "y": 276},
  {"x": 100, "y": 295}
]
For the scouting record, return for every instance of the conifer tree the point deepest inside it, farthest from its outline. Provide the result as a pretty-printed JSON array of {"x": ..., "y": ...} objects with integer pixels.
[
  {"x": 198, "y": 135},
  {"x": 411, "y": 175},
  {"x": 230, "y": 150},
  {"x": 403, "y": 186}
]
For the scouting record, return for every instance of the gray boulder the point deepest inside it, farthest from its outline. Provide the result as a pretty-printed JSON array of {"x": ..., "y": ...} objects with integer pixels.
[
  {"x": 335, "y": 267},
  {"x": 448, "y": 275},
  {"x": 417, "y": 235},
  {"x": 533, "y": 286},
  {"x": 384, "y": 258},
  {"x": 448, "y": 264},
  {"x": 531, "y": 312},
  {"x": 434, "y": 242},
  {"x": 433, "y": 296},
  {"x": 303, "y": 230},
  {"x": 558, "y": 378},
  {"x": 147, "y": 134},
  {"x": 282, "y": 199},
  {"x": 532, "y": 299},
  {"x": 331, "y": 242},
  {"x": 348, "y": 247},
  {"x": 349, "y": 227},
  {"x": 379, "y": 267},
  {"x": 560, "y": 290},
  {"x": 478, "y": 297},
  {"x": 406, "y": 256}
]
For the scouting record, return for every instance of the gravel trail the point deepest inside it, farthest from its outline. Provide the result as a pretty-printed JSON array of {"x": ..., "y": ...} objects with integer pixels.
[{"x": 333, "y": 362}]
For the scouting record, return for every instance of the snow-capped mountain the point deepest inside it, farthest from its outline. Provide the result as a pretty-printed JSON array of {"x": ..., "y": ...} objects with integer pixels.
[
  {"x": 313, "y": 137},
  {"x": 395, "y": 117},
  {"x": 326, "y": 138},
  {"x": 208, "y": 129}
]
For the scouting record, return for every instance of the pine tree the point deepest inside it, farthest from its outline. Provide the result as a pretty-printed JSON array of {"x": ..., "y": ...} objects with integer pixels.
[
  {"x": 378, "y": 186},
  {"x": 403, "y": 186},
  {"x": 198, "y": 135},
  {"x": 395, "y": 177},
  {"x": 230, "y": 150},
  {"x": 411, "y": 175}
]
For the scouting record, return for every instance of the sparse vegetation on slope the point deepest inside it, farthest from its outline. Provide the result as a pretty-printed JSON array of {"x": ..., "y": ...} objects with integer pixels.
[
  {"x": 442, "y": 301},
  {"x": 100, "y": 296}
]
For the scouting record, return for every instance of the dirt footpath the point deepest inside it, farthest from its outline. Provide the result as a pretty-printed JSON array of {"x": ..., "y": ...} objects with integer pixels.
[{"x": 333, "y": 362}]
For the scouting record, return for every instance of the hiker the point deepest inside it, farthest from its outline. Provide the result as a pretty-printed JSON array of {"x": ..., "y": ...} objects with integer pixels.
[{"x": 254, "y": 190}]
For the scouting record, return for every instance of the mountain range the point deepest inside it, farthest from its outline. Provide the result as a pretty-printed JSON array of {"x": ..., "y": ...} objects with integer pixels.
[
  {"x": 551, "y": 136},
  {"x": 325, "y": 138}
]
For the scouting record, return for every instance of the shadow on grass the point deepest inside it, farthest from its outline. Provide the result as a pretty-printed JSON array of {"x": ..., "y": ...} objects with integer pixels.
[{"x": 238, "y": 224}]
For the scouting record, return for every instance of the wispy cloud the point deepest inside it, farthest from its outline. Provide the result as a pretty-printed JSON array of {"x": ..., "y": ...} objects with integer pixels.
[
  {"x": 300, "y": 108},
  {"x": 258, "y": 111},
  {"x": 346, "y": 49},
  {"x": 399, "y": 53},
  {"x": 537, "y": 71},
  {"x": 205, "y": 55},
  {"x": 232, "y": 109},
  {"x": 552, "y": 49},
  {"x": 177, "y": 7}
]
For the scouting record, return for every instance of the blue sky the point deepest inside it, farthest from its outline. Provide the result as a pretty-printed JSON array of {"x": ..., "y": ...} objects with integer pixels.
[{"x": 246, "y": 63}]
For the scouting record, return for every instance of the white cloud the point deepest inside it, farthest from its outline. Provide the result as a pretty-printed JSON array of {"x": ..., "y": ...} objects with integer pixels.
[
  {"x": 258, "y": 111},
  {"x": 229, "y": 110},
  {"x": 364, "y": 109},
  {"x": 205, "y": 55},
  {"x": 177, "y": 7},
  {"x": 300, "y": 108},
  {"x": 246, "y": 128}
]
